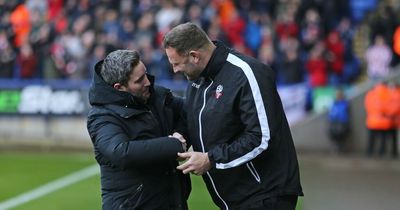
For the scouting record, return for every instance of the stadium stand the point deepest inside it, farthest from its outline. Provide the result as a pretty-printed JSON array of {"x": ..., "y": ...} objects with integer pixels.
[{"x": 48, "y": 48}]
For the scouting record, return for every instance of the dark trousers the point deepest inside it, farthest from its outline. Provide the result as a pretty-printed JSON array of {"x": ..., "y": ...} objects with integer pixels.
[
  {"x": 395, "y": 150},
  {"x": 377, "y": 136},
  {"x": 276, "y": 203},
  {"x": 382, "y": 136}
]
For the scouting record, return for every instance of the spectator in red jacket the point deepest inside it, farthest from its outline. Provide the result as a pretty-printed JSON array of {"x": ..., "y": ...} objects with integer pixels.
[
  {"x": 286, "y": 26},
  {"x": 317, "y": 67},
  {"x": 27, "y": 61},
  {"x": 335, "y": 54}
]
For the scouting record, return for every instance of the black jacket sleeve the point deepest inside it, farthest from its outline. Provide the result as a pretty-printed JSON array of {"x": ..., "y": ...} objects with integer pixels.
[
  {"x": 111, "y": 141},
  {"x": 180, "y": 122},
  {"x": 252, "y": 140},
  {"x": 258, "y": 109}
]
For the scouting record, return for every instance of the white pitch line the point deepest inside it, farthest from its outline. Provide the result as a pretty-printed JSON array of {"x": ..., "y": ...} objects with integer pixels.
[{"x": 50, "y": 187}]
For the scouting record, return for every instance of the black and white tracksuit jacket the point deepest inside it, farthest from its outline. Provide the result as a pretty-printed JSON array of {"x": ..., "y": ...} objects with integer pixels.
[{"x": 235, "y": 114}]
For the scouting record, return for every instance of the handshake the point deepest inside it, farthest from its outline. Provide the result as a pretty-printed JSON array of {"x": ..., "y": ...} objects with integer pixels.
[
  {"x": 196, "y": 163},
  {"x": 181, "y": 139}
]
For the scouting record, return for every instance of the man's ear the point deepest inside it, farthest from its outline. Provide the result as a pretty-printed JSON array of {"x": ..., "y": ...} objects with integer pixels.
[
  {"x": 117, "y": 86},
  {"x": 195, "y": 56}
]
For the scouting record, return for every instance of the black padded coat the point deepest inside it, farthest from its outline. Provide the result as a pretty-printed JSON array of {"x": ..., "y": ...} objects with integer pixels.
[{"x": 137, "y": 160}]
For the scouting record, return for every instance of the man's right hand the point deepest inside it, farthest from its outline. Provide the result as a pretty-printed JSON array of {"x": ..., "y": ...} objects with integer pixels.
[{"x": 181, "y": 139}]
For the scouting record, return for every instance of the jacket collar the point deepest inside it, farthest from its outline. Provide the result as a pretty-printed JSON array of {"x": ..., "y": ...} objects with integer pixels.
[{"x": 217, "y": 60}]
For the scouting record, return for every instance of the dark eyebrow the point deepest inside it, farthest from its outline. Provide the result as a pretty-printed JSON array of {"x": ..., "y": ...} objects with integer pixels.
[{"x": 140, "y": 78}]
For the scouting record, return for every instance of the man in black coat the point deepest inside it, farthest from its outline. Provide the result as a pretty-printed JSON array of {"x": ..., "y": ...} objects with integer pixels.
[
  {"x": 131, "y": 124},
  {"x": 236, "y": 124}
]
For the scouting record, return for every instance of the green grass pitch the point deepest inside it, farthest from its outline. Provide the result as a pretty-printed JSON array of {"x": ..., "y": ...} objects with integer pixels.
[{"x": 24, "y": 171}]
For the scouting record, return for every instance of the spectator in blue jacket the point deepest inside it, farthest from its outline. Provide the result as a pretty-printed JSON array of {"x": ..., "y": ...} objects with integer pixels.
[{"x": 339, "y": 120}]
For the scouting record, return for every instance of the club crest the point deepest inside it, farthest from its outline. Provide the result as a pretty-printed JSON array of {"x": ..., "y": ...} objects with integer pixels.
[{"x": 218, "y": 91}]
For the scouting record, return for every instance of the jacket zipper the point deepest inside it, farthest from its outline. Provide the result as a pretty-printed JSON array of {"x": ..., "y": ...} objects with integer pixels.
[
  {"x": 156, "y": 120},
  {"x": 201, "y": 113},
  {"x": 135, "y": 194},
  {"x": 253, "y": 171},
  {"x": 202, "y": 143}
]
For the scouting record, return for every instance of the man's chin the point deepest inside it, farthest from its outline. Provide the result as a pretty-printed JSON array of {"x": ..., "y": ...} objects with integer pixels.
[
  {"x": 190, "y": 78},
  {"x": 146, "y": 96}
]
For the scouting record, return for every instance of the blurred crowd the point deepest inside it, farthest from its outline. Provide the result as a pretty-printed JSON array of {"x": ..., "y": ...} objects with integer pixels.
[{"x": 321, "y": 42}]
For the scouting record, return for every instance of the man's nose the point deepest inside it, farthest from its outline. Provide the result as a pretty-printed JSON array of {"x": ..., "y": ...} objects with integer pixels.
[
  {"x": 176, "y": 70},
  {"x": 147, "y": 81}
]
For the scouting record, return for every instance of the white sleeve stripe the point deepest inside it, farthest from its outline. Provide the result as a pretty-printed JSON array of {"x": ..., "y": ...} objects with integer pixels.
[{"x": 262, "y": 116}]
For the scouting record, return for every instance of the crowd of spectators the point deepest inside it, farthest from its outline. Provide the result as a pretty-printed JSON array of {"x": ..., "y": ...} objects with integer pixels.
[{"x": 321, "y": 42}]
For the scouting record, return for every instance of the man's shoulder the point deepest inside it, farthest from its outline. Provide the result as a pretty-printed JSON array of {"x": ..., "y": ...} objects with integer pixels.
[
  {"x": 161, "y": 90},
  {"x": 96, "y": 111},
  {"x": 242, "y": 61}
]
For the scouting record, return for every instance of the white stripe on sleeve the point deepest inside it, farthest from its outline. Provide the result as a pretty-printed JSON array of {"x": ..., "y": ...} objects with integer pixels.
[{"x": 262, "y": 116}]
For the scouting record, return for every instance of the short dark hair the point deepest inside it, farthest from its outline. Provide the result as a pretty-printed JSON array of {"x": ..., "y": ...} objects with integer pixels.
[
  {"x": 186, "y": 37},
  {"x": 118, "y": 66}
]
